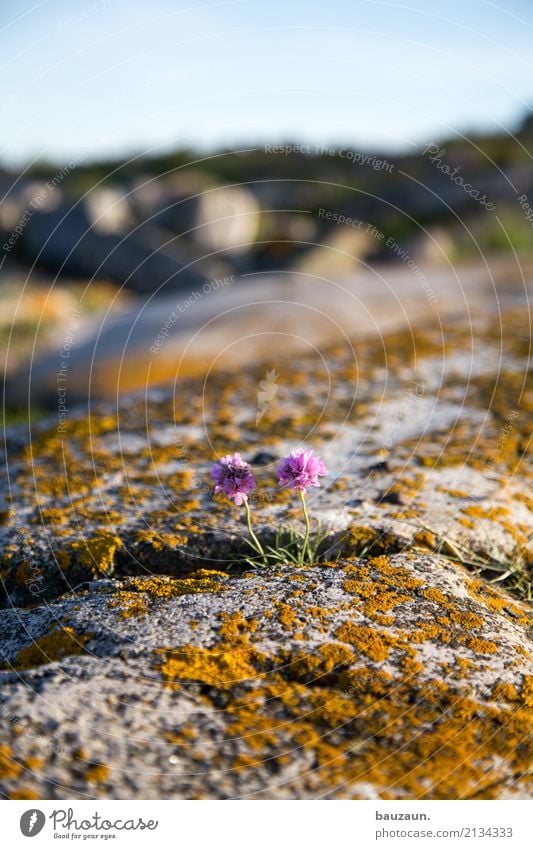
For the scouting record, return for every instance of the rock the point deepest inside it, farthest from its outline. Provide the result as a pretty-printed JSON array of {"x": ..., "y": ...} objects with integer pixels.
[
  {"x": 216, "y": 218},
  {"x": 21, "y": 199},
  {"x": 389, "y": 678},
  {"x": 109, "y": 210},
  {"x": 135, "y": 477},
  {"x": 64, "y": 240},
  {"x": 431, "y": 247},
  {"x": 339, "y": 253},
  {"x": 262, "y": 458},
  {"x": 209, "y": 265},
  {"x": 223, "y": 322},
  {"x": 144, "y": 659}
]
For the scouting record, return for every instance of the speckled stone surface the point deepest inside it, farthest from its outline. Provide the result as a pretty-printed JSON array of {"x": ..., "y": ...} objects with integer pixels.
[
  {"x": 395, "y": 677},
  {"x": 426, "y": 436},
  {"x": 136, "y": 666}
]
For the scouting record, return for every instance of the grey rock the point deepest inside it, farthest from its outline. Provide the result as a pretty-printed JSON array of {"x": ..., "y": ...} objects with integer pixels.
[
  {"x": 142, "y": 660},
  {"x": 65, "y": 241},
  {"x": 270, "y": 685}
]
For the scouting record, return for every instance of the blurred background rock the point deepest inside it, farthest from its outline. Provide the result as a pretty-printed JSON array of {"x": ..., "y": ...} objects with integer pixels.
[{"x": 125, "y": 242}]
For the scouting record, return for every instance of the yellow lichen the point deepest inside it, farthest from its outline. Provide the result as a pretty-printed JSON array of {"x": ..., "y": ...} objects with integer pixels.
[
  {"x": 221, "y": 667},
  {"x": 480, "y": 646},
  {"x": 9, "y": 767},
  {"x": 97, "y": 773},
  {"x": 130, "y": 604},
  {"x": 24, "y": 793},
  {"x": 359, "y": 540},
  {"x": 160, "y": 541},
  {"x": 505, "y": 692},
  {"x": 287, "y": 616},
  {"x": 375, "y": 644},
  {"x": 201, "y": 581},
  {"x": 466, "y": 619},
  {"x": 526, "y": 694},
  {"x": 97, "y": 553},
  {"x": 433, "y": 594},
  {"x": 425, "y": 539},
  {"x": 58, "y": 644},
  {"x": 236, "y": 628},
  {"x": 318, "y": 665}
]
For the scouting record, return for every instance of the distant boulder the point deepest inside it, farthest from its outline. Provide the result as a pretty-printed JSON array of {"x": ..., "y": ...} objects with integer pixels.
[
  {"x": 109, "y": 210},
  {"x": 222, "y": 218},
  {"x": 66, "y": 241}
]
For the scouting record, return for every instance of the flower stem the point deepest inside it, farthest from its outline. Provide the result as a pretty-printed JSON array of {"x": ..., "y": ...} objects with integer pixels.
[
  {"x": 258, "y": 546},
  {"x": 305, "y": 546}
]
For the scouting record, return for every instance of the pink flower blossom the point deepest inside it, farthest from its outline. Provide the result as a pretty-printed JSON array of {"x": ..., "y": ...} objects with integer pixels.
[
  {"x": 233, "y": 477},
  {"x": 300, "y": 470}
]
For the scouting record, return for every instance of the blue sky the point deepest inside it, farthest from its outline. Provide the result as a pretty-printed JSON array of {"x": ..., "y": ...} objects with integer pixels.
[{"x": 102, "y": 77}]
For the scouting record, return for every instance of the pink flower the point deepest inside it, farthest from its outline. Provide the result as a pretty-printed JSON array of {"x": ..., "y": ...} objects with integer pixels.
[
  {"x": 300, "y": 470},
  {"x": 233, "y": 477}
]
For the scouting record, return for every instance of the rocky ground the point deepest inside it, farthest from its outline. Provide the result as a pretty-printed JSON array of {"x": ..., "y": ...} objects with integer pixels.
[{"x": 141, "y": 661}]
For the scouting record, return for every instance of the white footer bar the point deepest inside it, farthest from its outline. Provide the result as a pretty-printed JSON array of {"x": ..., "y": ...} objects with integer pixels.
[{"x": 269, "y": 824}]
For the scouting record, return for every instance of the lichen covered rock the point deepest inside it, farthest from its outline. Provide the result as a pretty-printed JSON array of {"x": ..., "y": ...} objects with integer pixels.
[
  {"x": 392, "y": 677},
  {"x": 395, "y": 677},
  {"x": 138, "y": 662},
  {"x": 427, "y": 443}
]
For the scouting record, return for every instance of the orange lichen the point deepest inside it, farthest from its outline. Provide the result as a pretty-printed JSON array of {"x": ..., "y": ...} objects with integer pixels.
[
  {"x": 433, "y": 594},
  {"x": 375, "y": 644},
  {"x": 466, "y": 619},
  {"x": 287, "y": 616},
  {"x": 135, "y": 600},
  {"x": 9, "y": 767},
  {"x": 493, "y": 513},
  {"x": 235, "y": 627},
  {"x": 24, "y": 793},
  {"x": 526, "y": 694},
  {"x": 425, "y": 539},
  {"x": 97, "y": 773},
  {"x": 160, "y": 541},
  {"x": 201, "y": 581},
  {"x": 58, "y": 644},
  {"x": 505, "y": 692},
  {"x": 131, "y": 604},
  {"x": 423, "y": 632},
  {"x": 97, "y": 553},
  {"x": 33, "y": 763},
  {"x": 318, "y": 665},
  {"x": 480, "y": 646},
  {"x": 220, "y": 667}
]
